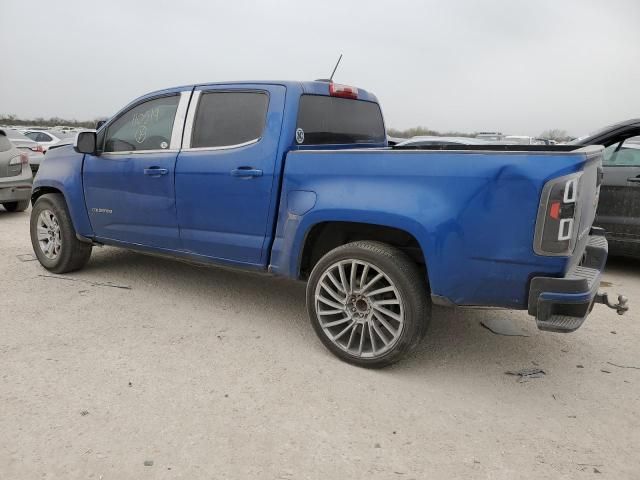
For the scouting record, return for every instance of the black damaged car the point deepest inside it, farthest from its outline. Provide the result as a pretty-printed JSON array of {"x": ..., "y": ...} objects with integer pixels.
[{"x": 619, "y": 206}]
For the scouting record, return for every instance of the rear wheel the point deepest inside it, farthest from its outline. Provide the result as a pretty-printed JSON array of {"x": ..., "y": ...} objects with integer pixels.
[
  {"x": 368, "y": 303},
  {"x": 53, "y": 237},
  {"x": 16, "y": 206}
]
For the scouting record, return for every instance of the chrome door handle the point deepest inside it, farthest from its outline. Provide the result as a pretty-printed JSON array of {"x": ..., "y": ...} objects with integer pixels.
[
  {"x": 246, "y": 172},
  {"x": 155, "y": 171}
]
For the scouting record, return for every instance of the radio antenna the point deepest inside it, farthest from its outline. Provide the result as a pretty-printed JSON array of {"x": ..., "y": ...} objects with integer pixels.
[{"x": 335, "y": 68}]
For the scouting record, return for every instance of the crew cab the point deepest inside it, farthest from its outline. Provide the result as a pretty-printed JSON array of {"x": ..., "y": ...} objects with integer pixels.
[{"x": 296, "y": 179}]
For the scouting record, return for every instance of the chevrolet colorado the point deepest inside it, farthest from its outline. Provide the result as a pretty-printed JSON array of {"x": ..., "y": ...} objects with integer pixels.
[{"x": 296, "y": 179}]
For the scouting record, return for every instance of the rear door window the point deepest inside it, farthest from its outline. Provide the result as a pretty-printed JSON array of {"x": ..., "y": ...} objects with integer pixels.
[
  {"x": 225, "y": 119},
  {"x": 324, "y": 120},
  {"x": 43, "y": 137}
]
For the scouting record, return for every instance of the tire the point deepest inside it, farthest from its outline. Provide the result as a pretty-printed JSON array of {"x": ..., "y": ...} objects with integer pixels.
[
  {"x": 346, "y": 309},
  {"x": 60, "y": 251},
  {"x": 16, "y": 206}
]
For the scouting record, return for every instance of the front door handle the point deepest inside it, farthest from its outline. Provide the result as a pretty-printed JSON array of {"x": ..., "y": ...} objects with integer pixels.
[
  {"x": 246, "y": 172},
  {"x": 634, "y": 179},
  {"x": 155, "y": 171}
]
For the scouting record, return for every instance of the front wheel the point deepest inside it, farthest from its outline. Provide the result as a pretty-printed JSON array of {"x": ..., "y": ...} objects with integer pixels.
[
  {"x": 368, "y": 303},
  {"x": 53, "y": 237}
]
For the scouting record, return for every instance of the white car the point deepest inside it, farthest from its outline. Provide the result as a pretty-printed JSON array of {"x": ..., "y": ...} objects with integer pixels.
[
  {"x": 522, "y": 140},
  {"x": 47, "y": 138},
  {"x": 432, "y": 140}
]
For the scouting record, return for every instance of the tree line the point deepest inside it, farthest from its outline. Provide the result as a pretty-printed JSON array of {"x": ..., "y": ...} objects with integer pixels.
[
  {"x": 46, "y": 122},
  {"x": 556, "y": 134}
]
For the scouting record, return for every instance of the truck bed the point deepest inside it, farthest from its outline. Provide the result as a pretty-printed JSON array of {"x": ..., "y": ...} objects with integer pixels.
[
  {"x": 493, "y": 148},
  {"x": 472, "y": 209}
]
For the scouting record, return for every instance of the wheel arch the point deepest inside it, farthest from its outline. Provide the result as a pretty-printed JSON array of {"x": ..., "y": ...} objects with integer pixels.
[
  {"x": 40, "y": 191},
  {"x": 322, "y": 237},
  {"x": 74, "y": 202}
]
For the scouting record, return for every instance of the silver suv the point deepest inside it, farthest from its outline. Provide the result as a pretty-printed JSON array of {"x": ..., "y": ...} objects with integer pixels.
[{"x": 15, "y": 176}]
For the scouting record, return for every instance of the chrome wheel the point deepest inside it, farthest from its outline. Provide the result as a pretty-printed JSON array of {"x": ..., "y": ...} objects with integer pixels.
[
  {"x": 48, "y": 230},
  {"x": 359, "y": 308}
]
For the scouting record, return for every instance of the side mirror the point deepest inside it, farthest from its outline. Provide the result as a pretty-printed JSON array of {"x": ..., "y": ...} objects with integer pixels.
[
  {"x": 85, "y": 142},
  {"x": 99, "y": 123}
]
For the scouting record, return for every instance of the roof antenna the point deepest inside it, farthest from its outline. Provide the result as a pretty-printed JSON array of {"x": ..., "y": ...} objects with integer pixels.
[
  {"x": 330, "y": 79},
  {"x": 335, "y": 68}
]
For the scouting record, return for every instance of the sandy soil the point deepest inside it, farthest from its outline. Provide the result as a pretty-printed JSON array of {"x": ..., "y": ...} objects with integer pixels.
[{"x": 206, "y": 373}]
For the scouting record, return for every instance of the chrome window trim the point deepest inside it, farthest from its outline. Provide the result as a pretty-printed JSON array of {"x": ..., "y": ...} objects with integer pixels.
[
  {"x": 191, "y": 115},
  {"x": 223, "y": 147},
  {"x": 178, "y": 121},
  {"x": 136, "y": 152}
]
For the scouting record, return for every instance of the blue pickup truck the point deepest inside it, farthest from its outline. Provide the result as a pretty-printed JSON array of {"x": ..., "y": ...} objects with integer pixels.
[{"x": 296, "y": 179}]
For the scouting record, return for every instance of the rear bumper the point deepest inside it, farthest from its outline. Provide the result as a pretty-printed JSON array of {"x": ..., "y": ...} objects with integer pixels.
[
  {"x": 16, "y": 189},
  {"x": 562, "y": 304}
]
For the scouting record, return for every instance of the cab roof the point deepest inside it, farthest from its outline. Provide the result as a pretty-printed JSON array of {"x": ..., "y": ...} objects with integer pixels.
[{"x": 315, "y": 87}]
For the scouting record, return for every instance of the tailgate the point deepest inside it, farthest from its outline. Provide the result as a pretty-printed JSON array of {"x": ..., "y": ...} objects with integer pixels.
[
  {"x": 567, "y": 209},
  {"x": 587, "y": 201}
]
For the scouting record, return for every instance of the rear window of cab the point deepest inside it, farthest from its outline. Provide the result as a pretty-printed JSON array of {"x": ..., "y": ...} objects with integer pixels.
[{"x": 324, "y": 120}]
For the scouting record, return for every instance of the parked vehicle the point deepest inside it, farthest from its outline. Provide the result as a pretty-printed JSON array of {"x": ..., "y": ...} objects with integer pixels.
[
  {"x": 433, "y": 140},
  {"x": 395, "y": 140},
  {"x": 34, "y": 151},
  {"x": 490, "y": 136},
  {"x": 522, "y": 140},
  {"x": 296, "y": 179},
  {"x": 619, "y": 208},
  {"x": 15, "y": 176},
  {"x": 47, "y": 138}
]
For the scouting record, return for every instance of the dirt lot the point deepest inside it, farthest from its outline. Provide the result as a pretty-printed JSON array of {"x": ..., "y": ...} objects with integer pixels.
[{"x": 207, "y": 373}]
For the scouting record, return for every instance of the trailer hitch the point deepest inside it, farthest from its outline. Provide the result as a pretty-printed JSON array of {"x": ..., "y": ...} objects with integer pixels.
[{"x": 621, "y": 307}]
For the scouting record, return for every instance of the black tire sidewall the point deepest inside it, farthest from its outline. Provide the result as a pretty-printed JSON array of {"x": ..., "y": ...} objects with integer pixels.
[
  {"x": 415, "y": 305},
  {"x": 54, "y": 203}
]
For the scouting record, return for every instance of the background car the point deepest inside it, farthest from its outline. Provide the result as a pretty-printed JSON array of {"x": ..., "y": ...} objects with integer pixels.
[
  {"x": 391, "y": 141},
  {"x": 432, "y": 140},
  {"x": 34, "y": 151},
  {"x": 619, "y": 205},
  {"x": 490, "y": 136},
  {"x": 522, "y": 140},
  {"x": 15, "y": 176},
  {"x": 47, "y": 138}
]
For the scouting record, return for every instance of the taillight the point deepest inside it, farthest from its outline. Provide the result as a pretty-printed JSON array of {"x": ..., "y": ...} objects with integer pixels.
[
  {"x": 556, "y": 228},
  {"x": 22, "y": 159},
  {"x": 344, "y": 91},
  {"x": 37, "y": 148}
]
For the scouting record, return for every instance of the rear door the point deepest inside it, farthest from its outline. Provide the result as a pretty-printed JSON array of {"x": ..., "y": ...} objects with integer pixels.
[
  {"x": 225, "y": 172},
  {"x": 129, "y": 187},
  {"x": 619, "y": 206}
]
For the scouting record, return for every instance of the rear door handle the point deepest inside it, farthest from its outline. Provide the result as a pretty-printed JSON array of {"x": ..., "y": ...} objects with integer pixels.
[
  {"x": 633, "y": 179},
  {"x": 246, "y": 172},
  {"x": 155, "y": 171}
]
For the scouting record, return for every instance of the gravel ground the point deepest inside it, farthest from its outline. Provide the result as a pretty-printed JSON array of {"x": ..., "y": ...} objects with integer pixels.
[{"x": 207, "y": 373}]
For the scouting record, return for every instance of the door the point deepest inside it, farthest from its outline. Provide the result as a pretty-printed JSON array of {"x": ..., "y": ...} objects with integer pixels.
[
  {"x": 619, "y": 205},
  {"x": 225, "y": 188},
  {"x": 129, "y": 187}
]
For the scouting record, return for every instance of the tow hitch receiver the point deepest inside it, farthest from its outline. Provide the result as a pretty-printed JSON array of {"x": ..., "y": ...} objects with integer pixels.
[{"x": 621, "y": 307}]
